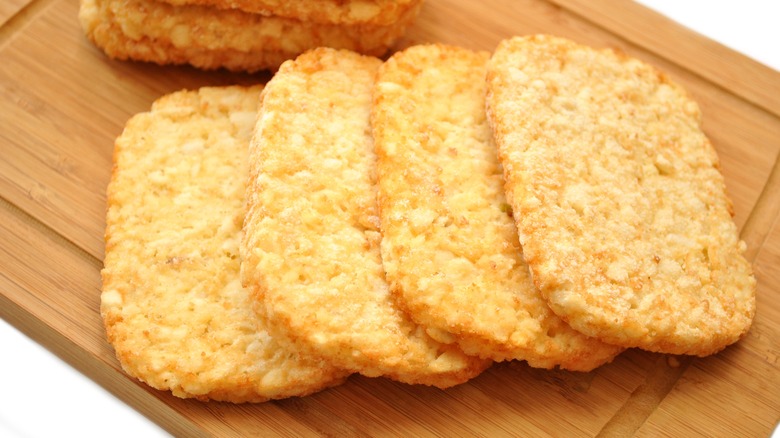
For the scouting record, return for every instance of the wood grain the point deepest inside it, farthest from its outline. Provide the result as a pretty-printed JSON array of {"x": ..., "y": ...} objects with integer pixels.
[{"x": 63, "y": 103}]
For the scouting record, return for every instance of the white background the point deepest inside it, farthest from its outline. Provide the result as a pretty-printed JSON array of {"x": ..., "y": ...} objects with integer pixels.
[{"x": 33, "y": 381}]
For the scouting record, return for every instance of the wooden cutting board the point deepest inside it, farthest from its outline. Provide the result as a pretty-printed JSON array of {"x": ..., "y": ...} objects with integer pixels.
[{"x": 62, "y": 104}]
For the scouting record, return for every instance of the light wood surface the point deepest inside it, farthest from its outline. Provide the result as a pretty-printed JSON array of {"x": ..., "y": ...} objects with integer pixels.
[{"x": 62, "y": 104}]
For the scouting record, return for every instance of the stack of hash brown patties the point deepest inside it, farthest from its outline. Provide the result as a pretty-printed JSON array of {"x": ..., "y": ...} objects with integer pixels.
[
  {"x": 247, "y": 35},
  {"x": 418, "y": 219}
]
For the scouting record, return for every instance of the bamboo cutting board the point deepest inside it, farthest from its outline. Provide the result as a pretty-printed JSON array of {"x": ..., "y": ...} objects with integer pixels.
[{"x": 62, "y": 104}]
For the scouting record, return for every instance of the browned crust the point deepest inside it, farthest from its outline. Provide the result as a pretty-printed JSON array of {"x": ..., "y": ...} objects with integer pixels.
[
  {"x": 619, "y": 201},
  {"x": 171, "y": 299},
  {"x": 341, "y": 12},
  {"x": 311, "y": 237},
  {"x": 152, "y": 31}
]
